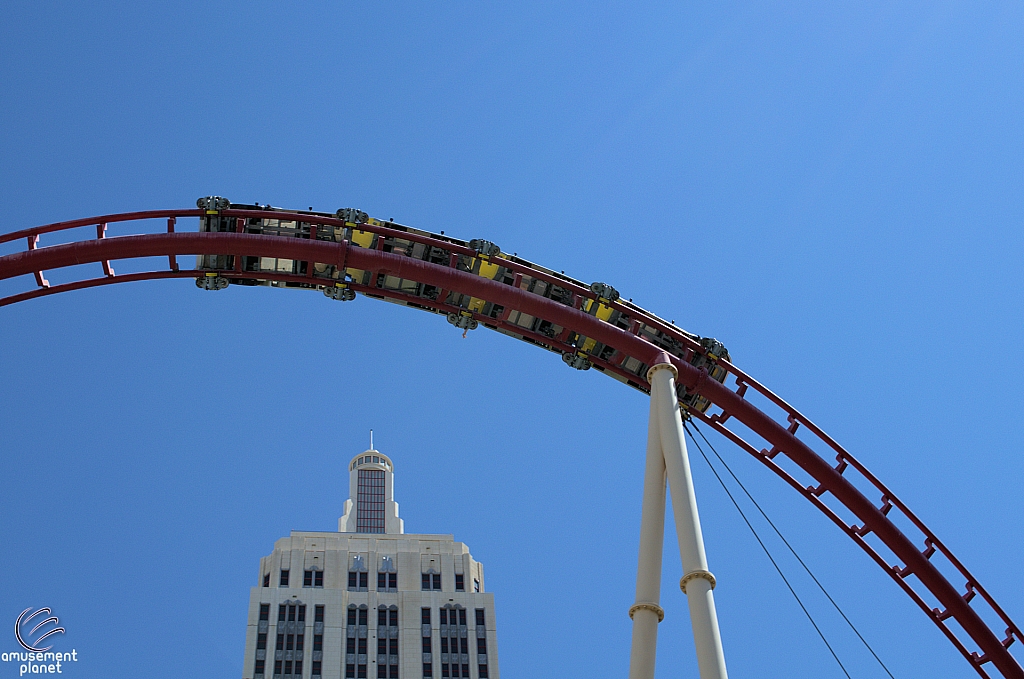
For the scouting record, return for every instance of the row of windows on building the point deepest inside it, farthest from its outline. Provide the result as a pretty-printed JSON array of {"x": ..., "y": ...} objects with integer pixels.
[
  {"x": 358, "y": 581},
  {"x": 454, "y": 643}
]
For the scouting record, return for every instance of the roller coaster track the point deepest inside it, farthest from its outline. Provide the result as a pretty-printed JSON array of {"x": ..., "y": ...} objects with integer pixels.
[{"x": 474, "y": 283}]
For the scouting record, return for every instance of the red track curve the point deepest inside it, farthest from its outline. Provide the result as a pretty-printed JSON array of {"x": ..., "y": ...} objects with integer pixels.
[{"x": 912, "y": 561}]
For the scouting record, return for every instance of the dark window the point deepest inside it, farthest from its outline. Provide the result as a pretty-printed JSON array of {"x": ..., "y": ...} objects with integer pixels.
[
  {"x": 393, "y": 646},
  {"x": 462, "y": 616},
  {"x": 481, "y": 646},
  {"x": 364, "y": 579},
  {"x": 300, "y": 641},
  {"x": 259, "y": 667},
  {"x": 393, "y": 672},
  {"x": 350, "y": 645},
  {"x": 382, "y": 617},
  {"x": 261, "y": 640},
  {"x": 280, "y": 642},
  {"x": 277, "y": 667},
  {"x": 479, "y": 617},
  {"x": 298, "y": 668},
  {"x": 318, "y": 578},
  {"x": 287, "y": 666},
  {"x": 264, "y": 611},
  {"x": 362, "y": 616},
  {"x": 426, "y": 581},
  {"x": 350, "y": 671},
  {"x": 444, "y": 644},
  {"x": 362, "y": 647},
  {"x": 291, "y": 613},
  {"x": 361, "y": 672},
  {"x": 370, "y": 501},
  {"x": 351, "y": 616},
  {"x": 444, "y": 670},
  {"x": 444, "y": 616},
  {"x": 382, "y": 646},
  {"x": 352, "y": 579},
  {"x": 425, "y": 616},
  {"x": 284, "y": 578},
  {"x": 465, "y": 671},
  {"x": 465, "y": 645},
  {"x": 290, "y": 644},
  {"x": 302, "y": 613},
  {"x": 428, "y": 670},
  {"x": 307, "y": 578},
  {"x": 318, "y": 642},
  {"x": 460, "y": 585},
  {"x": 393, "y": 617},
  {"x": 319, "y": 614},
  {"x": 382, "y": 580},
  {"x": 266, "y": 580},
  {"x": 281, "y": 610},
  {"x": 392, "y": 580},
  {"x": 316, "y": 668},
  {"x": 382, "y": 671},
  {"x": 437, "y": 581},
  {"x": 483, "y": 671},
  {"x": 426, "y": 645}
]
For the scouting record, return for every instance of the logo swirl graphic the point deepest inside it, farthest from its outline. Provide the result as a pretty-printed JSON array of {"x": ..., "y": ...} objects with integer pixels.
[{"x": 23, "y": 622}]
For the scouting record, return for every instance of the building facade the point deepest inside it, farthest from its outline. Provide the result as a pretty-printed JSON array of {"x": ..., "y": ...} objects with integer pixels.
[{"x": 370, "y": 601}]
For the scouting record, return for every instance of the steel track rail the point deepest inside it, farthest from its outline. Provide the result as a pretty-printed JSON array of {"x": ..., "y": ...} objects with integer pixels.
[{"x": 913, "y": 564}]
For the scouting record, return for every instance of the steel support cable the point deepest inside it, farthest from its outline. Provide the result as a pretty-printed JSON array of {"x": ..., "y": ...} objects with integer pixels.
[
  {"x": 734, "y": 405},
  {"x": 785, "y": 542},
  {"x": 768, "y": 553}
]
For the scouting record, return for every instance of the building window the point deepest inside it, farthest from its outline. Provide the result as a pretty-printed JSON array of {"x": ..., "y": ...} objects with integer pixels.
[
  {"x": 277, "y": 668},
  {"x": 370, "y": 501},
  {"x": 361, "y": 672},
  {"x": 264, "y": 611},
  {"x": 358, "y": 580},
  {"x": 258, "y": 670},
  {"x": 318, "y": 642},
  {"x": 266, "y": 579},
  {"x": 482, "y": 671},
  {"x": 393, "y": 672},
  {"x": 362, "y": 615},
  {"x": 476, "y": 585},
  {"x": 382, "y": 646},
  {"x": 284, "y": 578},
  {"x": 290, "y": 644},
  {"x": 350, "y": 671},
  {"x": 319, "y": 614},
  {"x": 350, "y": 645},
  {"x": 425, "y": 616},
  {"x": 261, "y": 641},
  {"x": 300, "y": 641},
  {"x": 287, "y": 666},
  {"x": 352, "y": 616},
  {"x": 382, "y": 672},
  {"x": 318, "y": 578},
  {"x": 281, "y": 610},
  {"x": 393, "y": 646},
  {"x": 479, "y": 617},
  {"x": 280, "y": 642},
  {"x": 307, "y": 578},
  {"x": 460, "y": 585},
  {"x": 362, "y": 646},
  {"x": 298, "y": 668},
  {"x": 302, "y": 613},
  {"x": 428, "y": 670},
  {"x": 316, "y": 668},
  {"x": 481, "y": 645},
  {"x": 393, "y": 581},
  {"x": 426, "y": 645},
  {"x": 444, "y": 670},
  {"x": 431, "y": 581}
]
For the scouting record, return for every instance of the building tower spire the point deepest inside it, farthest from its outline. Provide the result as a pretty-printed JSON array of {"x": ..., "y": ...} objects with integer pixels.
[{"x": 371, "y": 506}]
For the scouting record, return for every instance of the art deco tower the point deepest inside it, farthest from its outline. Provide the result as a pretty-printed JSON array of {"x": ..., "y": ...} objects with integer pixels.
[{"x": 370, "y": 600}]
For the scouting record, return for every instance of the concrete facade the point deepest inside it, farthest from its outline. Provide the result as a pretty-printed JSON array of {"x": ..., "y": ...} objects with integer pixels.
[{"x": 366, "y": 604}]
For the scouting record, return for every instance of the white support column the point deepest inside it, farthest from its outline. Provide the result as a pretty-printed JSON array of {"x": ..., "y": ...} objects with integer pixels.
[
  {"x": 646, "y": 612},
  {"x": 697, "y": 581}
]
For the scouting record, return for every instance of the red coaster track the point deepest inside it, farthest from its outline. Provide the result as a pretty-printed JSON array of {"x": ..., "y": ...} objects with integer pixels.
[{"x": 589, "y": 326}]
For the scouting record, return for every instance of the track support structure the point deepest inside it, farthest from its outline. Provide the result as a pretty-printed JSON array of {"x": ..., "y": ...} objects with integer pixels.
[{"x": 667, "y": 460}]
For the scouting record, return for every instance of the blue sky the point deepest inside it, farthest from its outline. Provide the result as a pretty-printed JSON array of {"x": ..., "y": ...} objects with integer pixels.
[{"x": 834, "y": 191}]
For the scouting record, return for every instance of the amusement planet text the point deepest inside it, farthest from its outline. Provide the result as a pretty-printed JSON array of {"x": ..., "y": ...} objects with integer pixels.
[{"x": 40, "y": 663}]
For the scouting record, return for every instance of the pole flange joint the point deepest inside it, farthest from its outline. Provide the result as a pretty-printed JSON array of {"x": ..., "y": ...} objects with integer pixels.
[
  {"x": 693, "y": 575},
  {"x": 647, "y": 607},
  {"x": 662, "y": 366}
]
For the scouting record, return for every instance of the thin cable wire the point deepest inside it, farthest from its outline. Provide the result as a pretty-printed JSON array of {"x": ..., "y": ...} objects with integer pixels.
[
  {"x": 769, "y": 554},
  {"x": 793, "y": 551}
]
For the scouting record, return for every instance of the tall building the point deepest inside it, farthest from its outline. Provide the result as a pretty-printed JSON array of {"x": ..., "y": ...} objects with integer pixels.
[{"x": 370, "y": 600}]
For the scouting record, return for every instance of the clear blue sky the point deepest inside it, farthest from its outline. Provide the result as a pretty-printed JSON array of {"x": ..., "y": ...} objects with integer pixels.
[{"x": 833, "y": 190}]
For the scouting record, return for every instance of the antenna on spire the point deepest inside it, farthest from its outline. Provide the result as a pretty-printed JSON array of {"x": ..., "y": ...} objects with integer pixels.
[{"x": 371, "y": 439}]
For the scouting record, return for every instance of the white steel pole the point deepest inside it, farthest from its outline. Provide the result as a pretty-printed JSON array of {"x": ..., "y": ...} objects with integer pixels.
[
  {"x": 697, "y": 581},
  {"x": 646, "y": 613}
]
